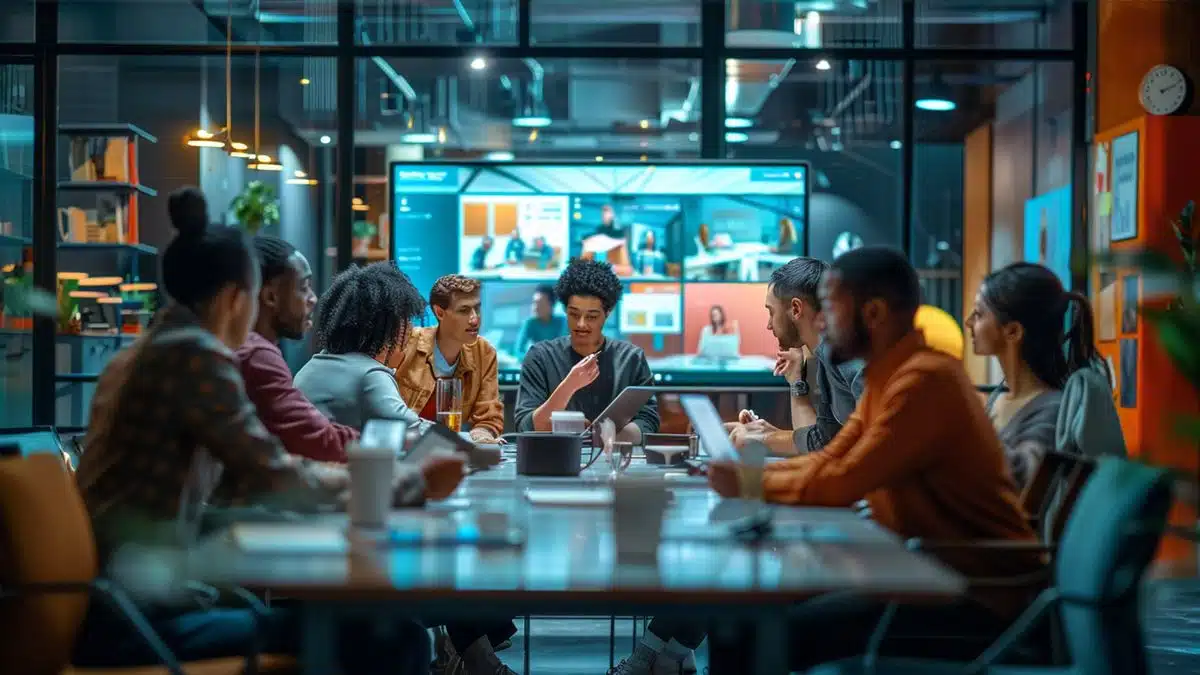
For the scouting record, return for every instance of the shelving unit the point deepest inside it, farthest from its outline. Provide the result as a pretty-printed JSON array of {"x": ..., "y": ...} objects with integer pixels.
[{"x": 82, "y": 357}]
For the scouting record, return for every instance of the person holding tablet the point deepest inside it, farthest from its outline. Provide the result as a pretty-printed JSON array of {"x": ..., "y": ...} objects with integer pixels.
[
  {"x": 585, "y": 370},
  {"x": 454, "y": 349}
]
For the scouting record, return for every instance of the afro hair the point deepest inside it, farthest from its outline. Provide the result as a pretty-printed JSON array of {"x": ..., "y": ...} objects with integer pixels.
[
  {"x": 367, "y": 310},
  {"x": 589, "y": 278}
]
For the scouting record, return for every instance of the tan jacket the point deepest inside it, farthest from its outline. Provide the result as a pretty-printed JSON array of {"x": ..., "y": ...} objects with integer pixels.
[{"x": 482, "y": 406}]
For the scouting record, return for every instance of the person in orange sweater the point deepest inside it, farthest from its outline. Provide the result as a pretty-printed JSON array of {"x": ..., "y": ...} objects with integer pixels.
[{"x": 919, "y": 448}]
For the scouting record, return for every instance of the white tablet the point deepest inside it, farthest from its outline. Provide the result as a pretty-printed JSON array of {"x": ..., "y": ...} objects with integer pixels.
[{"x": 707, "y": 422}]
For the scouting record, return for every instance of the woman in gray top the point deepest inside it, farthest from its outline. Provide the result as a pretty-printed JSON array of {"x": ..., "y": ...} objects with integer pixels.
[
  {"x": 362, "y": 323},
  {"x": 1020, "y": 317}
]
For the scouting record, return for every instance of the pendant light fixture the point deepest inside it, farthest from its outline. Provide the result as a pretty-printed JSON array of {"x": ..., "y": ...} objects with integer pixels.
[
  {"x": 300, "y": 177},
  {"x": 261, "y": 161},
  {"x": 202, "y": 138}
]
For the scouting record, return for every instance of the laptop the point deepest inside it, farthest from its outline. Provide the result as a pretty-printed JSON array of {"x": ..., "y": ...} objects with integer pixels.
[
  {"x": 706, "y": 421},
  {"x": 721, "y": 347}
]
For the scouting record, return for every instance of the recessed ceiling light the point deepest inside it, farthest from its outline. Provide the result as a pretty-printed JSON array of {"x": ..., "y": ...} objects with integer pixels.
[
  {"x": 823, "y": 64},
  {"x": 736, "y": 137},
  {"x": 936, "y": 104},
  {"x": 531, "y": 121},
  {"x": 326, "y": 140},
  {"x": 304, "y": 80},
  {"x": 479, "y": 63},
  {"x": 738, "y": 123},
  {"x": 896, "y": 145}
]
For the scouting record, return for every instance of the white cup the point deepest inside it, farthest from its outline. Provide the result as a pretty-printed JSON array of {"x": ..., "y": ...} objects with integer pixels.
[
  {"x": 568, "y": 422},
  {"x": 371, "y": 473},
  {"x": 638, "y": 508}
]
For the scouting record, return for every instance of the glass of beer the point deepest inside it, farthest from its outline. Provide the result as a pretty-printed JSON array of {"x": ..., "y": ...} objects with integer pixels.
[{"x": 449, "y": 403}]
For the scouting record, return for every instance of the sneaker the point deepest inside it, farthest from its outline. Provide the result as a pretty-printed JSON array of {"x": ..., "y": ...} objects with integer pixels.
[
  {"x": 664, "y": 665},
  {"x": 641, "y": 662},
  {"x": 446, "y": 660}
]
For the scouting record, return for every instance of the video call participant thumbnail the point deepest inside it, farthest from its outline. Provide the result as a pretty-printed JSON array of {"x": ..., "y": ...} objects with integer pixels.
[
  {"x": 543, "y": 324},
  {"x": 584, "y": 371},
  {"x": 453, "y": 349}
]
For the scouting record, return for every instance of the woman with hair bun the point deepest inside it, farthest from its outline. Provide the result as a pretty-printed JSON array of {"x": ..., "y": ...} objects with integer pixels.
[
  {"x": 172, "y": 430},
  {"x": 1041, "y": 335}
]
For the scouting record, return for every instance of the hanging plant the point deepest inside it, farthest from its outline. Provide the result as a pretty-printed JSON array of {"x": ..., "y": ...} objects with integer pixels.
[{"x": 256, "y": 207}]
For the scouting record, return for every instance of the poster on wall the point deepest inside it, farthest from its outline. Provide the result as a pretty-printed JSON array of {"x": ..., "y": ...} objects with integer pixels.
[
  {"x": 1124, "y": 187},
  {"x": 1129, "y": 304},
  {"x": 1106, "y": 308},
  {"x": 1048, "y": 232},
  {"x": 1101, "y": 200},
  {"x": 1128, "y": 397}
]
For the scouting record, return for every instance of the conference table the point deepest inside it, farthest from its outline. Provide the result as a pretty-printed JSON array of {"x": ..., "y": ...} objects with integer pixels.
[{"x": 564, "y": 564}]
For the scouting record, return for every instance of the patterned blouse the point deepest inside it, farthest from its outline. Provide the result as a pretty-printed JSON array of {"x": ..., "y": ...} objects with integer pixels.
[{"x": 172, "y": 429}]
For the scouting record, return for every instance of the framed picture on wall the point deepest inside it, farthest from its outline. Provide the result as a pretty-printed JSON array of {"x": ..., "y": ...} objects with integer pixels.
[
  {"x": 1125, "y": 159},
  {"x": 1129, "y": 348},
  {"x": 1129, "y": 304}
]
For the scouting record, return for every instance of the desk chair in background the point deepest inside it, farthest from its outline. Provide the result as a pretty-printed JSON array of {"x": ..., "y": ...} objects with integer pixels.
[{"x": 50, "y": 575}]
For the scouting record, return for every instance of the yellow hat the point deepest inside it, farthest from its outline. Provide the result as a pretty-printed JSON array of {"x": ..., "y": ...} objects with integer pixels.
[{"x": 942, "y": 332}]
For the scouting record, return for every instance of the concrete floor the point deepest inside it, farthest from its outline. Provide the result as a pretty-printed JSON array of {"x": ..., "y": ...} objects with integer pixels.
[{"x": 581, "y": 646}]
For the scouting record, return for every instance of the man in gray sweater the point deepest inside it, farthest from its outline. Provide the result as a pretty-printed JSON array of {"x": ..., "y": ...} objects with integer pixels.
[
  {"x": 584, "y": 371},
  {"x": 822, "y": 394}
]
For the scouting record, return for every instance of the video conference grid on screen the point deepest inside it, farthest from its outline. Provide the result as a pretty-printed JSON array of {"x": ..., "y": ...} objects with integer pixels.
[{"x": 694, "y": 245}]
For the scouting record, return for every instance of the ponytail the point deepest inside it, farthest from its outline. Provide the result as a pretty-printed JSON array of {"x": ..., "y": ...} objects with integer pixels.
[{"x": 1080, "y": 341}]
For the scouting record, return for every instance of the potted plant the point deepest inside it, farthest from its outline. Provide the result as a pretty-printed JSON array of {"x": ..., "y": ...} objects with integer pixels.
[
  {"x": 256, "y": 207},
  {"x": 363, "y": 232}
]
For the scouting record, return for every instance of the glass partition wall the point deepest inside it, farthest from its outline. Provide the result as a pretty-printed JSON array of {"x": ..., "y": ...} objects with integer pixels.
[{"x": 955, "y": 133}]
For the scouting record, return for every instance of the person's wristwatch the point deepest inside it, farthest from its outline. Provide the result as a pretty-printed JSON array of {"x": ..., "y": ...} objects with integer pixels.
[{"x": 800, "y": 386}]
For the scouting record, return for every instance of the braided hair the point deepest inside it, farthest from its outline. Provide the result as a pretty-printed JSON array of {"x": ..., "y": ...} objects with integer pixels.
[
  {"x": 273, "y": 255},
  {"x": 367, "y": 310}
]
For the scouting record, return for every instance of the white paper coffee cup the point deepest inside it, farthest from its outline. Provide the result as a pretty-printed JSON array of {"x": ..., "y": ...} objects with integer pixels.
[
  {"x": 371, "y": 473},
  {"x": 638, "y": 509}
]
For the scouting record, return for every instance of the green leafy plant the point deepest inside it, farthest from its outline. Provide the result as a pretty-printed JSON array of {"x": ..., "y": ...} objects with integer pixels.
[
  {"x": 256, "y": 207},
  {"x": 364, "y": 230}
]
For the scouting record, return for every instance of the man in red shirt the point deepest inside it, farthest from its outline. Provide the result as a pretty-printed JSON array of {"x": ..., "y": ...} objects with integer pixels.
[{"x": 285, "y": 305}]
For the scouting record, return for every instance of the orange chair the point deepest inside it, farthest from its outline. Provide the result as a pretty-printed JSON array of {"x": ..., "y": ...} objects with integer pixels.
[{"x": 48, "y": 575}]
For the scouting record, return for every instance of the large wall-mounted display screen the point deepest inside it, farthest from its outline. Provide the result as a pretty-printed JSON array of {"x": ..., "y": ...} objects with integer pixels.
[{"x": 694, "y": 244}]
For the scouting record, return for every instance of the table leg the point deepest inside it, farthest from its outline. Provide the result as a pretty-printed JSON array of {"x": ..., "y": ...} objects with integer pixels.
[
  {"x": 771, "y": 645},
  {"x": 318, "y": 649}
]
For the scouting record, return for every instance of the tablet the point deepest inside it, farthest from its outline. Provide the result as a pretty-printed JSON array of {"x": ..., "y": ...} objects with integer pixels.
[
  {"x": 438, "y": 439},
  {"x": 624, "y": 407},
  {"x": 707, "y": 422},
  {"x": 384, "y": 435}
]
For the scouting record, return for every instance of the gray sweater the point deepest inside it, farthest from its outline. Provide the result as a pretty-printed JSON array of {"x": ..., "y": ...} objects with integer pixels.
[
  {"x": 622, "y": 364},
  {"x": 351, "y": 389}
]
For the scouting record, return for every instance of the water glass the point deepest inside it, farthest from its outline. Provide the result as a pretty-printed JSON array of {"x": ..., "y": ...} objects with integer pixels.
[
  {"x": 620, "y": 455},
  {"x": 450, "y": 403}
]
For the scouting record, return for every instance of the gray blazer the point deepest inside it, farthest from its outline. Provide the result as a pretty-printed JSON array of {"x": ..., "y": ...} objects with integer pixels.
[{"x": 351, "y": 389}]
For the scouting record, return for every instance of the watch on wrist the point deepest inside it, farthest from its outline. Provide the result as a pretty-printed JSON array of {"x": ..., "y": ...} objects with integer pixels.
[{"x": 800, "y": 386}]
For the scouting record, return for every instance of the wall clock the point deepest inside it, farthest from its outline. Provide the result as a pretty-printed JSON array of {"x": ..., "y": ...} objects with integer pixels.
[{"x": 1165, "y": 91}]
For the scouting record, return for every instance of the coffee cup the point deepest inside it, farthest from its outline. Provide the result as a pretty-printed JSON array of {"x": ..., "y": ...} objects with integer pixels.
[
  {"x": 371, "y": 473},
  {"x": 753, "y": 458},
  {"x": 638, "y": 508}
]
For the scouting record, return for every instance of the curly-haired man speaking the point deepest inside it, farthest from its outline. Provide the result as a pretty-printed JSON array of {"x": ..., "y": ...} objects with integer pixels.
[{"x": 584, "y": 371}]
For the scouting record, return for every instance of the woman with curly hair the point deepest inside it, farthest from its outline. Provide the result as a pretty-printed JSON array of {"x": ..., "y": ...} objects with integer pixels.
[{"x": 362, "y": 324}]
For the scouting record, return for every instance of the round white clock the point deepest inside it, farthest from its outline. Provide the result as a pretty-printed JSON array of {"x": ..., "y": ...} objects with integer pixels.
[{"x": 1165, "y": 90}]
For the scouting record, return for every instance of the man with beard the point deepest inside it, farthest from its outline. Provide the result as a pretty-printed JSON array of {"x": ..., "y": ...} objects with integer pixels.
[
  {"x": 285, "y": 305},
  {"x": 920, "y": 449},
  {"x": 822, "y": 394}
]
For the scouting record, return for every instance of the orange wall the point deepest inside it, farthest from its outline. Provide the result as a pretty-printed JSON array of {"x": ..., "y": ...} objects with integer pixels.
[
  {"x": 1166, "y": 181},
  {"x": 741, "y": 302},
  {"x": 977, "y": 231},
  {"x": 1134, "y": 36}
]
